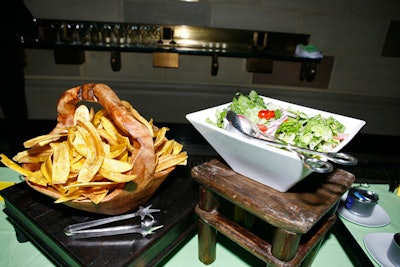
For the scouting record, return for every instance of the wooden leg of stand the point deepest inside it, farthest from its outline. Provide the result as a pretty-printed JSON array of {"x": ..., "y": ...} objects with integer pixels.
[
  {"x": 207, "y": 236},
  {"x": 207, "y": 242},
  {"x": 285, "y": 244}
]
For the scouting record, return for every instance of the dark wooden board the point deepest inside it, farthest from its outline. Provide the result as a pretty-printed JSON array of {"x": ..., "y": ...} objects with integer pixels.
[{"x": 42, "y": 222}]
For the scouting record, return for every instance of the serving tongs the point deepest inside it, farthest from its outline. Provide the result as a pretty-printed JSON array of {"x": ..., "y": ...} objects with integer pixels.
[
  {"x": 86, "y": 230},
  {"x": 313, "y": 160}
]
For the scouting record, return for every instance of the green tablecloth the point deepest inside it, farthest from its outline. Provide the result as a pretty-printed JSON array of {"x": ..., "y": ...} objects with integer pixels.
[{"x": 13, "y": 253}]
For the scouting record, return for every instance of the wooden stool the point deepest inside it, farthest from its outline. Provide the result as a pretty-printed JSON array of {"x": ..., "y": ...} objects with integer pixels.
[{"x": 300, "y": 217}]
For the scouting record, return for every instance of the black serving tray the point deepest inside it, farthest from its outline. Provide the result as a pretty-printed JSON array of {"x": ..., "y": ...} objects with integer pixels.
[{"x": 41, "y": 221}]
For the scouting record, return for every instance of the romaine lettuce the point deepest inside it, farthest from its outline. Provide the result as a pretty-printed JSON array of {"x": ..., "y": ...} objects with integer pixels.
[{"x": 316, "y": 133}]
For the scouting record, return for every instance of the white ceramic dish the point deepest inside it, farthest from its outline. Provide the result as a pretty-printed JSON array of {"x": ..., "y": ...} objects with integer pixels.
[
  {"x": 378, "y": 218},
  {"x": 377, "y": 245},
  {"x": 274, "y": 167}
]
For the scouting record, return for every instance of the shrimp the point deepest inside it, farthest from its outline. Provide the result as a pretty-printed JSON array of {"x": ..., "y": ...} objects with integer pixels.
[{"x": 144, "y": 160}]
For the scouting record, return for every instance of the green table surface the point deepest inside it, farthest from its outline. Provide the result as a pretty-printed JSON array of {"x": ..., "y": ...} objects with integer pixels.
[{"x": 331, "y": 253}]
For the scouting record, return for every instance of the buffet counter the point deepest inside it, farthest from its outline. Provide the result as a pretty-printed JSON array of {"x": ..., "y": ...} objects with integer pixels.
[{"x": 340, "y": 248}]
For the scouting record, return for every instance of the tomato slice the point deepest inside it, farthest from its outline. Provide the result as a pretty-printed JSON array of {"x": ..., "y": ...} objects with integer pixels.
[
  {"x": 266, "y": 114},
  {"x": 262, "y": 127}
]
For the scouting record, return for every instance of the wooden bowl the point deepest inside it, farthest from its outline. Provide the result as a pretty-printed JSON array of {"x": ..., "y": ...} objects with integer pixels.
[
  {"x": 123, "y": 199},
  {"x": 127, "y": 196}
]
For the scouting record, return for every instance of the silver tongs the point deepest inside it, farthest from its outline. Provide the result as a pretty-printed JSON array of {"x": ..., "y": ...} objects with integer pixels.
[
  {"x": 83, "y": 230},
  {"x": 250, "y": 129}
]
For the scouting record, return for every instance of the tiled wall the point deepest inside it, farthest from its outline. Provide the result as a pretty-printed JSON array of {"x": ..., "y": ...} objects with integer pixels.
[{"x": 361, "y": 83}]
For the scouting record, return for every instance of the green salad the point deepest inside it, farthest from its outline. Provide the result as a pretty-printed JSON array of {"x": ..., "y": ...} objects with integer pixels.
[{"x": 292, "y": 126}]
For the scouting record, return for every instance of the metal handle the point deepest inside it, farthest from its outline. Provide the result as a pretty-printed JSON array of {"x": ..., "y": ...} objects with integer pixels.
[
  {"x": 317, "y": 165},
  {"x": 336, "y": 157}
]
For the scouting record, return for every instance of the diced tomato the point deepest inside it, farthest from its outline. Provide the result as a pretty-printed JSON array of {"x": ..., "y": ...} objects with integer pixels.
[
  {"x": 266, "y": 114},
  {"x": 262, "y": 127},
  {"x": 340, "y": 137}
]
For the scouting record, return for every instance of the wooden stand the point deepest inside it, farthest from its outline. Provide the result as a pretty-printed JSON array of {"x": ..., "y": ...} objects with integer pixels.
[{"x": 300, "y": 217}]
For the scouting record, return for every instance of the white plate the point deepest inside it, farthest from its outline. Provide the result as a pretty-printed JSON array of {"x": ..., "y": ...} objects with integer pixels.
[
  {"x": 378, "y": 218},
  {"x": 377, "y": 245}
]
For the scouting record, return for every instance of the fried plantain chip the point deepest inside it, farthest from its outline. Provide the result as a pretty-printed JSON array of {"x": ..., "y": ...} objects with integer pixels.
[
  {"x": 117, "y": 176},
  {"x": 14, "y": 166},
  {"x": 43, "y": 139},
  {"x": 167, "y": 161},
  {"x": 114, "y": 165},
  {"x": 33, "y": 155},
  {"x": 95, "y": 152},
  {"x": 61, "y": 164}
]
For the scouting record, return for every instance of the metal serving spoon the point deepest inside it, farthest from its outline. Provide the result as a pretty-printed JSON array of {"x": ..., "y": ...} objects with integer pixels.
[
  {"x": 314, "y": 164},
  {"x": 249, "y": 128}
]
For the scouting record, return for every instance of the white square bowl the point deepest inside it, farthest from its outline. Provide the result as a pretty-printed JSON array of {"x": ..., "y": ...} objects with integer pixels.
[{"x": 274, "y": 167}]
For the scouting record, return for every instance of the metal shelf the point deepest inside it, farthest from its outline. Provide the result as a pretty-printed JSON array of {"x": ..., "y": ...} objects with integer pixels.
[{"x": 79, "y": 36}]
